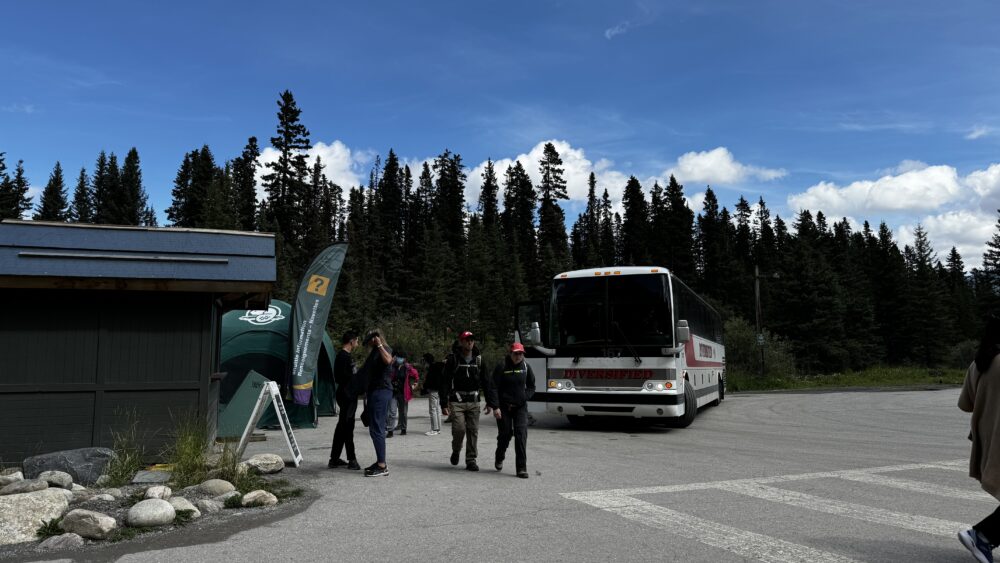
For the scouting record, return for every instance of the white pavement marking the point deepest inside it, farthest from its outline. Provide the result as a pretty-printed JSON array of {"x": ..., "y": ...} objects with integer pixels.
[
  {"x": 918, "y": 486},
  {"x": 741, "y": 542},
  {"x": 913, "y": 522}
]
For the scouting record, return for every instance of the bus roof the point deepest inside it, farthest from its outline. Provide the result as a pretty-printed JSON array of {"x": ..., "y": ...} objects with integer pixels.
[{"x": 612, "y": 271}]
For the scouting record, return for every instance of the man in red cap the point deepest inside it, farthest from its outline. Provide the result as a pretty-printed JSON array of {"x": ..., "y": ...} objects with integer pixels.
[
  {"x": 462, "y": 381},
  {"x": 507, "y": 394}
]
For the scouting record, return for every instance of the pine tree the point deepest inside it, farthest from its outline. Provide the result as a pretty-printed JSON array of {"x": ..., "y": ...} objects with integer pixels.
[
  {"x": 217, "y": 212},
  {"x": 635, "y": 225},
  {"x": 518, "y": 228},
  {"x": 488, "y": 208},
  {"x": 133, "y": 198},
  {"x": 925, "y": 317},
  {"x": 82, "y": 208},
  {"x": 244, "y": 186},
  {"x": 553, "y": 247},
  {"x": 608, "y": 243},
  {"x": 960, "y": 296},
  {"x": 101, "y": 193},
  {"x": 14, "y": 200},
  {"x": 678, "y": 222},
  {"x": 449, "y": 201},
  {"x": 990, "y": 288},
  {"x": 53, "y": 205}
]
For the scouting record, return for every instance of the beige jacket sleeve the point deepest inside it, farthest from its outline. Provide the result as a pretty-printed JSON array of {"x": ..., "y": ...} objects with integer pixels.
[{"x": 967, "y": 399}]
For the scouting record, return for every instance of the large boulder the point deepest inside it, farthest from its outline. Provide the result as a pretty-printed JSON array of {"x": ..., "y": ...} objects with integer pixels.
[
  {"x": 10, "y": 478},
  {"x": 259, "y": 498},
  {"x": 21, "y": 515},
  {"x": 266, "y": 463},
  {"x": 206, "y": 506},
  {"x": 59, "y": 479},
  {"x": 88, "y": 524},
  {"x": 150, "y": 513},
  {"x": 25, "y": 486},
  {"x": 216, "y": 487},
  {"x": 181, "y": 503},
  {"x": 64, "y": 541},
  {"x": 84, "y": 465}
]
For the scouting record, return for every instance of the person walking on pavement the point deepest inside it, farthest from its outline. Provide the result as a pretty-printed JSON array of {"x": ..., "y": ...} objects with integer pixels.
[
  {"x": 404, "y": 381},
  {"x": 432, "y": 384},
  {"x": 460, "y": 389},
  {"x": 378, "y": 369},
  {"x": 981, "y": 396},
  {"x": 507, "y": 394},
  {"x": 344, "y": 372}
]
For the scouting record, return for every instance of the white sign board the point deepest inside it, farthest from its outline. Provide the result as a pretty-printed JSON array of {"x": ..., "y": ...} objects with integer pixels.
[{"x": 271, "y": 394}]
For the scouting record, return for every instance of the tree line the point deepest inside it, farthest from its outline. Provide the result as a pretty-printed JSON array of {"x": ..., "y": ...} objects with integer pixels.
[{"x": 421, "y": 255}]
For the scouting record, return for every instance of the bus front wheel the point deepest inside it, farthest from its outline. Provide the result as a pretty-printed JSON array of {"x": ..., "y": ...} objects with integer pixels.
[{"x": 690, "y": 410}]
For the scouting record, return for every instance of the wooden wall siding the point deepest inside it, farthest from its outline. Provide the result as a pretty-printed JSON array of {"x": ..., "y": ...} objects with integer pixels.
[
  {"x": 46, "y": 341},
  {"x": 146, "y": 341},
  {"x": 34, "y": 423},
  {"x": 157, "y": 413}
]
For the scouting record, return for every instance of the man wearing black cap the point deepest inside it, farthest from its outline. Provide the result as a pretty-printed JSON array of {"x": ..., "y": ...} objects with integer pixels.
[
  {"x": 344, "y": 372},
  {"x": 460, "y": 392}
]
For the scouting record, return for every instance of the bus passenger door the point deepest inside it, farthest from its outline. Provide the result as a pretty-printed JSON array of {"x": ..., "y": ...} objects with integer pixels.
[{"x": 530, "y": 331}]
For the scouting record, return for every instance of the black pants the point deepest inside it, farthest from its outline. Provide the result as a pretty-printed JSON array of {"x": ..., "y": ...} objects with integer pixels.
[
  {"x": 343, "y": 434},
  {"x": 990, "y": 527},
  {"x": 513, "y": 422}
]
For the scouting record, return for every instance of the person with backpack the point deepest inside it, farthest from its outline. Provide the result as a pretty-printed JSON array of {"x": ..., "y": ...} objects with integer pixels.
[
  {"x": 344, "y": 373},
  {"x": 512, "y": 384},
  {"x": 432, "y": 386},
  {"x": 460, "y": 393},
  {"x": 404, "y": 381}
]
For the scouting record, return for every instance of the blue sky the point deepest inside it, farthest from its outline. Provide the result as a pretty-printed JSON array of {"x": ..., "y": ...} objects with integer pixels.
[{"x": 877, "y": 110}]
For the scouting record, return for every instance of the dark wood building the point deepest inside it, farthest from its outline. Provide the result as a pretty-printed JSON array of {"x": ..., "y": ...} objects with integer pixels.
[{"x": 100, "y": 323}]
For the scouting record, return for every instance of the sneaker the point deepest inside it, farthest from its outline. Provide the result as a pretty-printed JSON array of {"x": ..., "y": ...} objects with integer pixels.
[
  {"x": 402, "y": 432},
  {"x": 977, "y": 545},
  {"x": 353, "y": 464},
  {"x": 522, "y": 474},
  {"x": 498, "y": 464},
  {"x": 388, "y": 434},
  {"x": 432, "y": 433},
  {"x": 371, "y": 467},
  {"x": 471, "y": 466},
  {"x": 335, "y": 463},
  {"x": 378, "y": 472},
  {"x": 454, "y": 458}
]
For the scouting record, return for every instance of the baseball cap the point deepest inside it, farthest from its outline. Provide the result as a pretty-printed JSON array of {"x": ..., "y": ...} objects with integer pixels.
[
  {"x": 466, "y": 336},
  {"x": 517, "y": 347}
]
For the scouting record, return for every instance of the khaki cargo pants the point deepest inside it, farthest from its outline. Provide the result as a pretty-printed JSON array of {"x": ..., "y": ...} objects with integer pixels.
[{"x": 465, "y": 425}]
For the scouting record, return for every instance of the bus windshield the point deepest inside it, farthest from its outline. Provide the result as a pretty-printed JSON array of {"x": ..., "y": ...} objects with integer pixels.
[{"x": 631, "y": 310}]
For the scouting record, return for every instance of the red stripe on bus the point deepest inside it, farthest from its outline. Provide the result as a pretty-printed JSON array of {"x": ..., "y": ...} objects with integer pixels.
[{"x": 692, "y": 361}]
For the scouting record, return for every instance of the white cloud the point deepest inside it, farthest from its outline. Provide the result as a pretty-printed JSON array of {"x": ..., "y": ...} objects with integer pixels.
[
  {"x": 34, "y": 196},
  {"x": 718, "y": 166},
  {"x": 967, "y": 231},
  {"x": 19, "y": 108},
  {"x": 917, "y": 189},
  {"x": 345, "y": 167},
  {"x": 619, "y": 29},
  {"x": 903, "y": 167},
  {"x": 985, "y": 182},
  {"x": 978, "y": 131}
]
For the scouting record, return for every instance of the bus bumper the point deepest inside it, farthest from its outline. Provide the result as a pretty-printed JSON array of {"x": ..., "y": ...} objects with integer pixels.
[{"x": 632, "y": 405}]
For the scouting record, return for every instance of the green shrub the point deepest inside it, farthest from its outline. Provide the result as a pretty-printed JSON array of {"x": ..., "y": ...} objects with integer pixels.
[
  {"x": 235, "y": 501},
  {"x": 182, "y": 517},
  {"x": 128, "y": 450},
  {"x": 962, "y": 354},
  {"x": 743, "y": 355},
  {"x": 229, "y": 469},
  {"x": 125, "y": 533},
  {"x": 186, "y": 452},
  {"x": 49, "y": 529}
]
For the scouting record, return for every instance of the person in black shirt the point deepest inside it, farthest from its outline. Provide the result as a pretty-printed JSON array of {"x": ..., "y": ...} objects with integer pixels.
[
  {"x": 344, "y": 372},
  {"x": 460, "y": 388},
  {"x": 378, "y": 369},
  {"x": 507, "y": 394},
  {"x": 432, "y": 385}
]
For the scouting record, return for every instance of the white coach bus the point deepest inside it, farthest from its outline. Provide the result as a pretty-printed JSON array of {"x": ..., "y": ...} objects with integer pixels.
[{"x": 626, "y": 341}]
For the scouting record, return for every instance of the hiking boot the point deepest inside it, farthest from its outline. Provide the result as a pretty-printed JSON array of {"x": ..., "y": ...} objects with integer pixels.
[
  {"x": 432, "y": 433},
  {"x": 471, "y": 466},
  {"x": 353, "y": 464},
  {"x": 454, "y": 458},
  {"x": 335, "y": 463},
  {"x": 388, "y": 434},
  {"x": 522, "y": 473},
  {"x": 402, "y": 432},
  {"x": 377, "y": 472},
  {"x": 498, "y": 461},
  {"x": 977, "y": 545}
]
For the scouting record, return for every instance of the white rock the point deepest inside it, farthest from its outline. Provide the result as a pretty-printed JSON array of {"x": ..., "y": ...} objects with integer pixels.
[
  {"x": 216, "y": 487},
  {"x": 221, "y": 499},
  {"x": 102, "y": 480},
  {"x": 59, "y": 479},
  {"x": 64, "y": 541},
  {"x": 150, "y": 513},
  {"x": 8, "y": 479},
  {"x": 101, "y": 497},
  {"x": 117, "y": 493},
  {"x": 66, "y": 493},
  {"x": 89, "y": 524},
  {"x": 181, "y": 503},
  {"x": 78, "y": 487},
  {"x": 159, "y": 491},
  {"x": 266, "y": 463},
  {"x": 24, "y": 486},
  {"x": 259, "y": 498},
  {"x": 12, "y": 471},
  {"x": 208, "y": 506},
  {"x": 22, "y": 514}
]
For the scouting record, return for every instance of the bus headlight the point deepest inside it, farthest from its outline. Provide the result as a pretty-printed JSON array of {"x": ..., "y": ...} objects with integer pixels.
[
  {"x": 552, "y": 384},
  {"x": 559, "y": 385},
  {"x": 648, "y": 386},
  {"x": 569, "y": 385},
  {"x": 658, "y": 385}
]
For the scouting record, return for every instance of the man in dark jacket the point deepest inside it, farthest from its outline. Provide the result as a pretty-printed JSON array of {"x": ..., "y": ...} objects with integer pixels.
[
  {"x": 460, "y": 392},
  {"x": 512, "y": 384},
  {"x": 344, "y": 372},
  {"x": 378, "y": 369}
]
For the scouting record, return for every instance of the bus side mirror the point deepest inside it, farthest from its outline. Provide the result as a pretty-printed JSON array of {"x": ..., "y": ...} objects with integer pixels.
[
  {"x": 535, "y": 335},
  {"x": 683, "y": 332}
]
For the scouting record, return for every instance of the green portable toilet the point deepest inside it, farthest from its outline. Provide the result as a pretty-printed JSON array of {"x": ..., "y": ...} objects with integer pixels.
[{"x": 259, "y": 341}]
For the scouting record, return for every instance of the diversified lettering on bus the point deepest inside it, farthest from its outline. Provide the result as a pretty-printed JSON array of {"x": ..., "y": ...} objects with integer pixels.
[{"x": 608, "y": 374}]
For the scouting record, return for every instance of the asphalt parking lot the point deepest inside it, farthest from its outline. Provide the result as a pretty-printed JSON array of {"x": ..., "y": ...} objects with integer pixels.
[{"x": 851, "y": 476}]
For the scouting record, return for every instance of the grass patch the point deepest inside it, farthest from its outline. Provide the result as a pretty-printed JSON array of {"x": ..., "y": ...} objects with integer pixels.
[
  {"x": 282, "y": 489},
  {"x": 241, "y": 478},
  {"x": 183, "y": 517},
  {"x": 878, "y": 376},
  {"x": 49, "y": 529},
  {"x": 186, "y": 453},
  {"x": 128, "y": 450},
  {"x": 235, "y": 501},
  {"x": 126, "y": 533}
]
